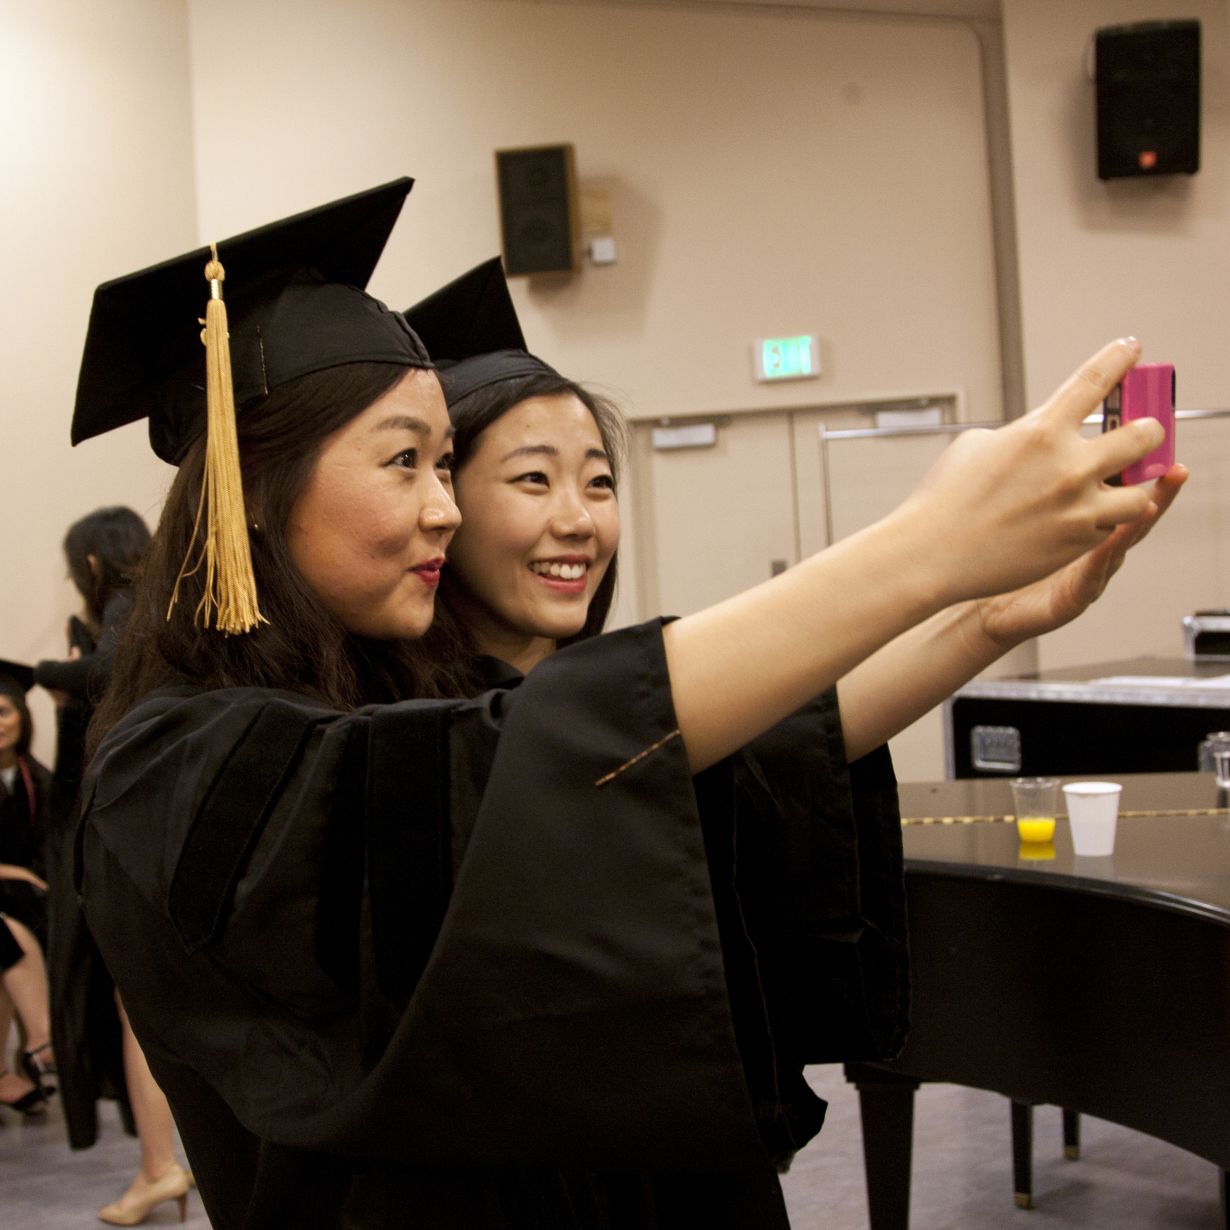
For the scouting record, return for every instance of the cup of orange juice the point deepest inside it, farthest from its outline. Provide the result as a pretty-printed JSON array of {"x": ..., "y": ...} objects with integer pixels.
[
  {"x": 1035, "y": 799},
  {"x": 1036, "y": 851}
]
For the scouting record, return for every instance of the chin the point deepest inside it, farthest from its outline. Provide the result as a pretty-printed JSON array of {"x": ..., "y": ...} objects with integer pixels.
[
  {"x": 413, "y": 629},
  {"x": 398, "y": 626},
  {"x": 560, "y": 632}
]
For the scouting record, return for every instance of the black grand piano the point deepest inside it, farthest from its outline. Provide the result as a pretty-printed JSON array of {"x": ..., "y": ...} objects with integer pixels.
[{"x": 1098, "y": 985}]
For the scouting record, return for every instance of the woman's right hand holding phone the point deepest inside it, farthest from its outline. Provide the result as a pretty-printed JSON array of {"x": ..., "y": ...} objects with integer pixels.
[
  {"x": 999, "y": 510},
  {"x": 1015, "y": 504}
]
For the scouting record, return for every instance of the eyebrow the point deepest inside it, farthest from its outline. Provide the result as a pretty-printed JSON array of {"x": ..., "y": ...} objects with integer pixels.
[
  {"x": 407, "y": 422},
  {"x": 549, "y": 450}
]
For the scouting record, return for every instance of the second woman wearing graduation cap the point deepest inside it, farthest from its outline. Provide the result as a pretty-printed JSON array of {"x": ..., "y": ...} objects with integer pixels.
[
  {"x": 811, "y": 910},
  {"x": 454, "y": 963},
  {"x": 818, "y": 880}
]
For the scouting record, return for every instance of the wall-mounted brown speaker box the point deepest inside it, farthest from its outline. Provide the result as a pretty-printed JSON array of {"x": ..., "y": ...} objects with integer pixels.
[
  {"x": 539, "y": 214},
  {"x": 1148, "y": 98}
]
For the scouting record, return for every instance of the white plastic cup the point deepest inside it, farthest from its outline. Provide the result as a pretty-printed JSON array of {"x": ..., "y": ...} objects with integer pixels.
[{"x": 1093, "y": 809}]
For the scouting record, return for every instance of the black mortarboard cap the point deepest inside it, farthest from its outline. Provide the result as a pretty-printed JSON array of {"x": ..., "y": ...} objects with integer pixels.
[
  {"x": 462, "y": 380},
  {"x": 471, "y": 329},
  {"x": 16, "y": 679},
  {"x": 472, "y": 315},
  {"x": 295, "y": 304}
]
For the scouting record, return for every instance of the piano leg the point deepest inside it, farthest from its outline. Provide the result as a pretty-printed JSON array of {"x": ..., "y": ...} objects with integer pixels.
[
  {"x": 886, "y": 1105},
  {"x": 1071, "y": 1134},
  {"x": 1225, "y": 1197},
  {"x": 1022, "y": 1154}
]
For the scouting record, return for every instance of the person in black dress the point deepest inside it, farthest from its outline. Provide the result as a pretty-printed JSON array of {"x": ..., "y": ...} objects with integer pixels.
[
  {"x": 24, "y": 791},
  {"x": 456, "y": 963},
  {"x": 98, "y": 1054}
]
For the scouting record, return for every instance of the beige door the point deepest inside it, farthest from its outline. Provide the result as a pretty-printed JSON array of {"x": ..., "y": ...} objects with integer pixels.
[{"x": 773, "y": 487}]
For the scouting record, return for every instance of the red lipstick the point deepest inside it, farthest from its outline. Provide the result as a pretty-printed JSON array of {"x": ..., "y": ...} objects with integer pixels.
[{"x": 429, "y": 572}]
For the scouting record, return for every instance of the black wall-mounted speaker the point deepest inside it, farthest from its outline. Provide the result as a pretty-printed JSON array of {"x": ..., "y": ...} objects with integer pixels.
[
  {"x": 538, "y": 209},
  {"x": 1148, "y": 99}
]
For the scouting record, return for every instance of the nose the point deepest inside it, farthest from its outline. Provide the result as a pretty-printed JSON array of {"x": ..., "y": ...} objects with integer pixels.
[
  {"x": 440, "y": 514},
  {"x": 570, "y": 517}
]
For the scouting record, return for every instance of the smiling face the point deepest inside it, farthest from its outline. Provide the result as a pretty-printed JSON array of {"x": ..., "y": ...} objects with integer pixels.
[
  {"x": 10, "y": 729},
  {"x": 369, "y": 530},
  {"x": 541, "y": 526}
]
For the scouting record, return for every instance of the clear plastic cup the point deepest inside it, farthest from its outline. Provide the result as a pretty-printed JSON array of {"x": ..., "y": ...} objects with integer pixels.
[
  {"x": 1035, "y": 799},
  {"x": 1093, "y": 812},
  {"x": 1221, "y": 766}
]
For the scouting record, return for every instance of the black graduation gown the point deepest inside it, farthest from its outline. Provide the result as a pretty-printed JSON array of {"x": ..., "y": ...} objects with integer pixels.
[
  {"x": 453, "y": 964},
  {"x": 23, "y": 820},
  {"x": 85, "y": 1027}
]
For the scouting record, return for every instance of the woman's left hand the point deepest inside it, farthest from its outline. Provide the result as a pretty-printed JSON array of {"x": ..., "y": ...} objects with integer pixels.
[{"x": 1008, "y": 619}]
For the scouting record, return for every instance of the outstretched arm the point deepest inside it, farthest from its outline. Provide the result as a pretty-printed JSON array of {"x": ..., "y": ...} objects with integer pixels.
[
  {"x": 999, "y": 510},
  {"x": 925, "y": 665}
]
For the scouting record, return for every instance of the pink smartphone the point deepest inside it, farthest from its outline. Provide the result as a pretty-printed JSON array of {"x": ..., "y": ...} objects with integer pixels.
[{"x": 1147, "y": 391}]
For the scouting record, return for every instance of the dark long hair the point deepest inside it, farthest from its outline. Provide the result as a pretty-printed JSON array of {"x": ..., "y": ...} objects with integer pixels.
[
  {"x": 18, "y": 697},
  {"x": 117, "y": 539},
  {"x": 303, "y": 648},
  {"x": 449, "y": 644}
]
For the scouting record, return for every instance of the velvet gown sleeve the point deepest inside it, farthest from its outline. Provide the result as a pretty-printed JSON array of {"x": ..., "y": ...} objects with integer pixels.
[
  {"x": 806, "y": 864},
  {"x": 820, "y": 871},
  {"x": 458, "y": 934}
]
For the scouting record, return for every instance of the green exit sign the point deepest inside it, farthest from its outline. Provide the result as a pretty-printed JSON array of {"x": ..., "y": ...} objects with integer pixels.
[{"x": 787, "y": 358}]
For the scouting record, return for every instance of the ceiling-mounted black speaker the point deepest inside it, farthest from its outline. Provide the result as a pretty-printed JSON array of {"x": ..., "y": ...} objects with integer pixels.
[
  {"x": 1148, "y": 99},
  {"x": 539, "y": 220}
]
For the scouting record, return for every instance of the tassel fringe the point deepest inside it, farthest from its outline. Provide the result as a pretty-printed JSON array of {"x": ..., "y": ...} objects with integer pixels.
[{"x": 228, "y": 601}]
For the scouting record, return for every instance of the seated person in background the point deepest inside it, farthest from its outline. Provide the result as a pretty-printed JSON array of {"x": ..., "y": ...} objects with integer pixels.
[{"x": 24, "y": 789}]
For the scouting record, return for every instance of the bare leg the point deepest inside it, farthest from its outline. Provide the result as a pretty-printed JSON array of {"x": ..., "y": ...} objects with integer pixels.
[
  {"x": 150, "y": 1109},
  {"x": 26, "y": 984},
  {"x": 161, "y": 1177},
  {"x": 13, "y": 1085},
  {"x": 6, "y": 1014}
]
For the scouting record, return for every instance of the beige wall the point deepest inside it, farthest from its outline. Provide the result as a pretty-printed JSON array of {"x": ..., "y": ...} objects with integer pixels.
[
  {"x": 769, "y": 172},
  {"x": 1149, "y": 257},
  {"x": 96, "y": 163}
]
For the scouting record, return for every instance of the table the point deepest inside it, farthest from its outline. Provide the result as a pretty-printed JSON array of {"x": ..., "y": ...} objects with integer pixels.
[
  {"x": 1101, "y": 985},
  {"x": 1134, "y": 715}
]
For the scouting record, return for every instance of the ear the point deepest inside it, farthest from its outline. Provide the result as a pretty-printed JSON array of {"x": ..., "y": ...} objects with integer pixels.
[{"x": 94, "y": 566}]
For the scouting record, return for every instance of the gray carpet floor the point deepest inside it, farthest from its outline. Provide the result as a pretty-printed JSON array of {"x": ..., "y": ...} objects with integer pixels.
[{"x": 962, "y": 1172}]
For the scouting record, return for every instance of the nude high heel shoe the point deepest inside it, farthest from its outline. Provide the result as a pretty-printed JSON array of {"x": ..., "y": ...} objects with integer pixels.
[{"x": 136, "y": 1204}]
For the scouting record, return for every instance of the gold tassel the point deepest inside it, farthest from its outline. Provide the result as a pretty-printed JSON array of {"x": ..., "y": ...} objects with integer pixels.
[{"x": 228, "y": 602}]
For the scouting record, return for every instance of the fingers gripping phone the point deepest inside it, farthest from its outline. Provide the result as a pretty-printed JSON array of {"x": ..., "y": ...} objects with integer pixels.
[{"x": 1147, "y": 391}]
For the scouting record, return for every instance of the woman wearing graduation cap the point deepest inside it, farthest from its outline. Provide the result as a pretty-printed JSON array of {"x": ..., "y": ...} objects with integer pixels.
[
  {"x": 454, "y": 963},
  {"x": 532, "y": 569},
  {"x": 517, "y": 586},
  {"x": 24, "y": 788},
  {"x": 806, "y": 848}
]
